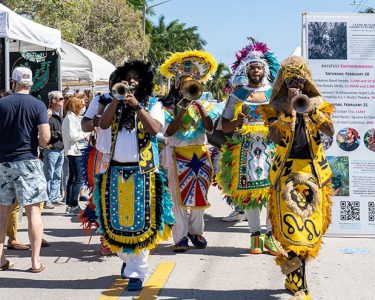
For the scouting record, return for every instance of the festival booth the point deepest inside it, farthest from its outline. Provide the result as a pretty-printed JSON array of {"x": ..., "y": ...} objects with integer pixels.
[
  {"x": 84, "y": 70},
  {"x": 26, "y": 43}
]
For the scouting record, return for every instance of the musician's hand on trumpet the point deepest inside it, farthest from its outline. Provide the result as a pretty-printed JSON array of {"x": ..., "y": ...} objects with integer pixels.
[
  {"x": 131, "y": 100},
  {"x": 298, "y": 102}
]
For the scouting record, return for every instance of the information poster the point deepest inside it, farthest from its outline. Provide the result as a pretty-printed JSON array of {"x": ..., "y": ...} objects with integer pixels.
[
  {"x": 43, "y": 64},
  {"x": 340, "y": 49}
]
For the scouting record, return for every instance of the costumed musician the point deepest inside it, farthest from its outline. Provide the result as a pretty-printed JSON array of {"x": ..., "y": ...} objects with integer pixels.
[
  {"x": 186, "y": 156},
  {"x": 300, "y": 201},
  {"x": 247, "y": 156},
  {"x": 132, "y": 203}
]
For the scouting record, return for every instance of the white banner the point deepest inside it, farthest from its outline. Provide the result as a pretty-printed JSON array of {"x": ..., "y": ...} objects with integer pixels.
[{"x": 340, "y": 49}]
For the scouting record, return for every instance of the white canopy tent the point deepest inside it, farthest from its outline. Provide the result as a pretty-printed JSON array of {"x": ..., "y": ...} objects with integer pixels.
[
  {"x": 81, "y": 67},
  {"x": 21, "y": 33}
]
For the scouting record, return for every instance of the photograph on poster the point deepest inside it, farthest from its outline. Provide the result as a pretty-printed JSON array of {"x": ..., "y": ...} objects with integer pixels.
[
  {"x": 369, "y": 139},
  {"x": 327, "y": 40},
  {"x": 348, "y": 139},
  {"x": 340, "y": 174},
  {"x": 326, "y": 140}
]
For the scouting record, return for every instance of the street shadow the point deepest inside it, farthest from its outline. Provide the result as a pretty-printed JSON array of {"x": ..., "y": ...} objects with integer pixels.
[
  {"x": 100, "y": 283},
  {"x": 167, "y": 250},
  {"x": 197, "y": 294},
  {"x": 65, "y": 232},
  {"x": 215, "y": 224},
  {"x": 79, "y": 251}
]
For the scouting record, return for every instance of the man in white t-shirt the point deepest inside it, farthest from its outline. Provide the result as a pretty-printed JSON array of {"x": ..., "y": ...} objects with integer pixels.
[{"x": 131, "y": 197}]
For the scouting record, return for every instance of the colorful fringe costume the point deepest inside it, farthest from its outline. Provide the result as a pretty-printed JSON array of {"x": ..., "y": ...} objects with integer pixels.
[
  {"x": 247, "y": 156},
  {"x": 186, "y": 156},
  {"x": 132, "y": 201},
  {"x": 300, "y": 202}
]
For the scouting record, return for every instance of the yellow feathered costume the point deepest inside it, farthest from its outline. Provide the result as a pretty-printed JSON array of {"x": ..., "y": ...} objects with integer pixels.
[{"x": 300, "y": 195}]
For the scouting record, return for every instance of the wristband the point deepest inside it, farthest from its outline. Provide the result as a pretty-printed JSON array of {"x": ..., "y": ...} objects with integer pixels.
[{"x": 138, "y": 107}]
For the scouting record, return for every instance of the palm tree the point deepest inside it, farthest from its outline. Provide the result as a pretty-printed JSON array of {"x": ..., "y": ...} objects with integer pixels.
[
  {"x": 170, "y": 38},
  {"x": 369, "y": 10},
  {"x": 218, "y": 82}
]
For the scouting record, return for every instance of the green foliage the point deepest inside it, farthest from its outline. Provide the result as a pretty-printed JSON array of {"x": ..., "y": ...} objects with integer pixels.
[
  {"x": 340, "y": 171},
  {"x": 110, "y": 28},
  {"x": 114, "y": 31},
  {"x": 218, "y": 82},
  {"x": 369, "y": 10},
  {"x": 170, "y": 38},
  {"x": 137, "y": 4}
]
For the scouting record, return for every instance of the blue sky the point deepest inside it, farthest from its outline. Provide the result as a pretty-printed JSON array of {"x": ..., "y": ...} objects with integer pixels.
[{"x": 225, "y": 24}]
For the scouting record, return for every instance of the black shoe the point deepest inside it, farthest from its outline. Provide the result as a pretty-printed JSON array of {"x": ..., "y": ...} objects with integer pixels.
[
  {"x": 135, "y": 284},
  {"x": 123, "y": 276}
]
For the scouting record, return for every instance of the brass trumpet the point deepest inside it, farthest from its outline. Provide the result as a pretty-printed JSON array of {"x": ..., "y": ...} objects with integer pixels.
[
  {"x": 120, "y": 90},
  {"x": 301, "y": 103},
  {"x": 191, "y": 90}
]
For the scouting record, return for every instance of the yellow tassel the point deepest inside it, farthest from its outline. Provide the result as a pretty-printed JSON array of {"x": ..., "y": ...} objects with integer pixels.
[
  {"x": 267, "y": 112},
  {"x": 327, "y": 108},
  {"x": 258, "y": 128}
]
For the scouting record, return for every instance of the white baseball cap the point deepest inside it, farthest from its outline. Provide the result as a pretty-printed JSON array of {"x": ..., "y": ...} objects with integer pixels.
[{"x": 22, "y": 75}]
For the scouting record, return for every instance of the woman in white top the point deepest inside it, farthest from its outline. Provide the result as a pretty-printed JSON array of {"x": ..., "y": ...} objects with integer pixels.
[{"x": 74, "y": 141}]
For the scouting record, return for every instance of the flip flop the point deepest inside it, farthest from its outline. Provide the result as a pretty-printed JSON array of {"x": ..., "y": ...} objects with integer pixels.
[
  {"x": 42, "y": 267},
  {"x": 8, "y": 265}
]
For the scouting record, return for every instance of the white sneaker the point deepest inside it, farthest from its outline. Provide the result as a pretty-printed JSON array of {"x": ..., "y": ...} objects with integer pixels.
[{"x": 234, "y": 216}]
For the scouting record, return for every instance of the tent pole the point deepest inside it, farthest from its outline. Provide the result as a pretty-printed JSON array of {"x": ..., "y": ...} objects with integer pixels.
[{"x": 7, "y": 64}]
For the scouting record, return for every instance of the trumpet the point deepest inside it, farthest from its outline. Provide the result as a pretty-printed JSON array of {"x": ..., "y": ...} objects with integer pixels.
[
  {"x": 191, "y": 90},
  {"x": 301, "y": 103},
  {"x": 120, "y": 90}
]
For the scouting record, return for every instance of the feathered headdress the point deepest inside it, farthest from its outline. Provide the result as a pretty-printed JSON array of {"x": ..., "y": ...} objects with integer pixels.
[
  {"x": 252, "y": 53},
  {"x": 197, "y": 64}
]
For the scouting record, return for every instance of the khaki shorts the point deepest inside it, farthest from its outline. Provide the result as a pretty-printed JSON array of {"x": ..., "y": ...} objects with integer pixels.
[{"x": 22, "y": 180}]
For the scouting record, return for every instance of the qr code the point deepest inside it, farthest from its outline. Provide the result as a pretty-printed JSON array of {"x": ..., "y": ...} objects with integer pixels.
[
  {"x": 371, "y": 211},
  {"x": 349, "y": 211}
]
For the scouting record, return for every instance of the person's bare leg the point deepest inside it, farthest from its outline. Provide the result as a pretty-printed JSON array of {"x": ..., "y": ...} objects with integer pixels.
[
  {"x": 35, "y": 233},
  {"x": 4, "y": 212}
]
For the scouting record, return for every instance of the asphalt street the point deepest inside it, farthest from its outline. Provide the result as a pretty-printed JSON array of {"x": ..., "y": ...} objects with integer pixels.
[{"x": 224, "y": 270}]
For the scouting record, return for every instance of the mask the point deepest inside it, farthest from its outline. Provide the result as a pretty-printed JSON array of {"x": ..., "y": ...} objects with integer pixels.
[{"x": 82, "y": 111}]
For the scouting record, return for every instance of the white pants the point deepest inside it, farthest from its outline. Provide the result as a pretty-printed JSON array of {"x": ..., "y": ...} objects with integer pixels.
[
  {"x": 136, "y": 265},
  {"x": 253, "y": 218},
  {"x": 192, "y": 223}
]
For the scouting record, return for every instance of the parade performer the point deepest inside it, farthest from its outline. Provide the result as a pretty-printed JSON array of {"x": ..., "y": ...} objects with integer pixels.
[
  {"x": 300, "y": 202},
  {"x": 186, "y": 156},
  {"x": 247, "y": 156},
  {"x": 133, "y": 204}
]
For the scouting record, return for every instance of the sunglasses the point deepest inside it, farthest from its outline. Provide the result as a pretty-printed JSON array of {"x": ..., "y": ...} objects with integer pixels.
[
  {"x": 60, "y": 99},
  {"x": 295, "y": 81}
]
